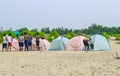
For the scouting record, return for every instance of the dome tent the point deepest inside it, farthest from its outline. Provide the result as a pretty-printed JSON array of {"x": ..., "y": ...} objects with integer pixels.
[
  {"x": 59, "y": 43},
  {"x": 44, "y": 44},
  {"x": 15, "y": 45},
  {"x": 76, "y": 43},
  {"x": 100, "y": 42}
]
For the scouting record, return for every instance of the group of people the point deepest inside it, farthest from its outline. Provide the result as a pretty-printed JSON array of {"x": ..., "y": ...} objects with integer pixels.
[
  {"x": 88, "y": 43},
  {"x": 7, "y": 42},
  {"x": 24, "y": 41}
]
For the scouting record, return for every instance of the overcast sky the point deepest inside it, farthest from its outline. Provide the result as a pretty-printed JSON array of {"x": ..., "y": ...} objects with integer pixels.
[{"x": 74, "y": 14}]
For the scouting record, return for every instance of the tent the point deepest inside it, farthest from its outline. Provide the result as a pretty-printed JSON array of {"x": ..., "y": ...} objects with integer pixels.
[
  {"x": 76, "y": 43},
  {"x": 44, "y": 44},
  {"x": 100, "y": 42},
  {"x": 16, "y": 32},
  {"x": 15, "y": 45},
  {"x": 59, "y": 43}
]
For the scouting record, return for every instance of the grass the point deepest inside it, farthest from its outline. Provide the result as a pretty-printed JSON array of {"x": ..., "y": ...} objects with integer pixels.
[{"x": 117, "y": 42}]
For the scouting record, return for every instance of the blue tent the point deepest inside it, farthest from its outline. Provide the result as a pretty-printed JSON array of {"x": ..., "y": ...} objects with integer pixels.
[
  {"x": 16, "y": 32},
  {"x": 100, "y": 42},
  {"x": 59, "y": 43}
]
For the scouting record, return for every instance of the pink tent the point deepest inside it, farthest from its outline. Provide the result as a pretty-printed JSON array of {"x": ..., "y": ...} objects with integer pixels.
[
  {"x": 15, "y": 45},
  {"x": 76, "y": 43},
  {"x": 44, "y": 44}
]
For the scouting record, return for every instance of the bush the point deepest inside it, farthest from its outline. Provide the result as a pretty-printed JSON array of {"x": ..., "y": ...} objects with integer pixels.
[
  {"x": 0, "y": 39},
  {"x": 49, "y": 38},
  {"x": 52, "y": 35},
  {"x": 70, "y": 35},
  {"x": 117, "y": 42},
  {"x": 85, "y": 35},
  {"x": 117, "y": 36},
  {"x": 106, "y": 35},
  {"x": 42, "y": 34}
]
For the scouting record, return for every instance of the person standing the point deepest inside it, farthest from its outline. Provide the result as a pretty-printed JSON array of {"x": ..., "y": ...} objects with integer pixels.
[
  {"x": 30, "y": 43},
  {"x": 4, "y": 43},
  {"x": 21, "y": 42},
  {"x": 26, "y": 40},
  {"x": 9, "y": 42},
  {"x": 37, "y": 41}
]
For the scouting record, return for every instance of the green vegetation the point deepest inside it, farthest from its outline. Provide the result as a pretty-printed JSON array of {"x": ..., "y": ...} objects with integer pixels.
[
  {"x": 106, "y": 35},
  {"x": 69, "y": 33},
  {"x": 117, "y": 36},
  {"x": 117, "y": 42},
  {"x": 52, "y": 35}
]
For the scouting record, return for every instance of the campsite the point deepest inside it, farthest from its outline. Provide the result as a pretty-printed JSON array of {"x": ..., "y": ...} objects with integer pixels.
[
  {"x": 59, "y": 37},
  {"x": 61, "y": 63},
  {"x": 63, "y": 55}
]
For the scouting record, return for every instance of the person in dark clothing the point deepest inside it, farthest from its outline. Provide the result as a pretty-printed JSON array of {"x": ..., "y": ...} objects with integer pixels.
[
  {"x": 26, "y": 41},
  {"x": 91, "y": 44},
  {"x": 88, "y": 43},
  {"x": 4, "y": 43},
  {"x": 37, "y": 41},
  {"x": 30, "y": 43}
]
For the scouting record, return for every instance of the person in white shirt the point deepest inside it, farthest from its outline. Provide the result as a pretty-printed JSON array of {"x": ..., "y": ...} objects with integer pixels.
[
  {"x": 9, "y": 42},
  {"x": 4, "y": 43}
]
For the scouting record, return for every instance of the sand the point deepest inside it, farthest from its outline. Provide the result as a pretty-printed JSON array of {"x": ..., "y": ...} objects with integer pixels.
[{"x": 61, "y": 63}]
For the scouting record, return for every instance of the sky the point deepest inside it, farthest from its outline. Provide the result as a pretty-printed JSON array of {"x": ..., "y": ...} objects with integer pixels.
[{"x": 75, "y": 14}]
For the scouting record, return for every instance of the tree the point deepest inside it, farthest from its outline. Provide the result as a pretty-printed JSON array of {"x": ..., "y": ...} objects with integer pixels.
[
  {"x": 42, "y": 34},
  {"x": 69, "y": 35},
  {"x": 53, "y": 34},
  {"x": 23, "y": 29},
  {"x": 45, "y": 30},
  {"x": 34, "y": 30}
]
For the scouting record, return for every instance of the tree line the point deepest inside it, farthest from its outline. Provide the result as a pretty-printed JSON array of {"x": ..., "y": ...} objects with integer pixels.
[{"x": 69, "y": 33}]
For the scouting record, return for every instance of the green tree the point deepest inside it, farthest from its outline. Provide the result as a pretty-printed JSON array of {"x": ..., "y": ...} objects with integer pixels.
[
  {"x": 69, "y": 35},
  {"x": 42, "y": 34},
  {"x": 45, "y": 30},
  {"x": 53, "y": 34},
  {"x": 106, "y": 35},
  {"x": 23, "y": 29}
]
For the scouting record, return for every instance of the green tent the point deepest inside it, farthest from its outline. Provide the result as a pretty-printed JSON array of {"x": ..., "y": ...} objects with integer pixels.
[
  {"x": 59, "y": 43},
  {"x": 100, "y": 42},
  {"x": 16, "y": 32}
]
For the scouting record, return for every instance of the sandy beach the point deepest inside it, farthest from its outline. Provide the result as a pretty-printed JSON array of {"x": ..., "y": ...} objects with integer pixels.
[{"x": 61, "y": 63}]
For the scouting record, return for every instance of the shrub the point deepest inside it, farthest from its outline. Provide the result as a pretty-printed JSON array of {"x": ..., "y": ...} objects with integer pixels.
[
  {"x": 85, "y": 35},
  {"x": 70, "y": 35},
  {"x": 117, "y": 36},
  {"x": 106, "y": 35},
  {"x": 117, "y": 42}
]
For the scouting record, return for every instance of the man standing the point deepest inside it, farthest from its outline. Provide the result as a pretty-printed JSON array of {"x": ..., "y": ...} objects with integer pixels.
[
  {"x": 30, "y": 43},
  {"x": 37, "y": 41},
  {"x": 9, "y": 42},
  {"x": 26, "y": 40},
  {"x": 4, "y": 43}
]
